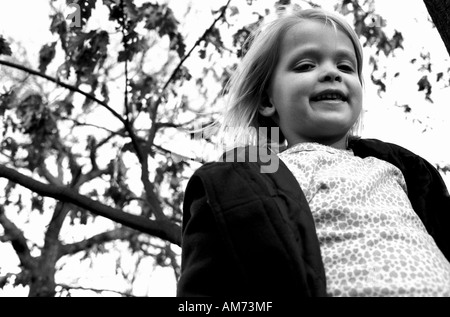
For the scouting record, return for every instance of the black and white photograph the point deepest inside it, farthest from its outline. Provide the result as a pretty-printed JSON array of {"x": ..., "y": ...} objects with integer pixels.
[{"x": 238, "y": 151}]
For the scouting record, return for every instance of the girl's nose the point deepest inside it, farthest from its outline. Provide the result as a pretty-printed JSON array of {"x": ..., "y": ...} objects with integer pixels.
[{"x": 330, "y": 73}]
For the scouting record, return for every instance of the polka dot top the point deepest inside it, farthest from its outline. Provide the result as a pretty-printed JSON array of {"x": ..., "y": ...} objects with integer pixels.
[{"x": 372, "y": 242}]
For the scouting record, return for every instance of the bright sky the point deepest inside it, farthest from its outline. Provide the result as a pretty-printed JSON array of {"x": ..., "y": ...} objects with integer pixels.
[{"x": 27, "y": 22}]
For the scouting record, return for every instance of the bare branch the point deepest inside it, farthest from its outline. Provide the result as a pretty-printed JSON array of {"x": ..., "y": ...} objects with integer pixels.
[
  {"x": 141, "y": 152},
  {"x": 154, "y": 109},
  {"x": 116, "y": 234},
  {"x": 44, "y": 172},
  {"x": 17, "y": 239},
  {"x": 173, "y": 261},
  {"x": 62, "y": 84},
  {"x": 83, "y": 124},
  {"x": 163, "y": 229},
  {"x": 54, "y": 228},
  {"x": 160, "y": 125},
  {"x": 125, "y": 46},
  {"x": 97, "y": 290},
  {"x": 202, "y": 38}
]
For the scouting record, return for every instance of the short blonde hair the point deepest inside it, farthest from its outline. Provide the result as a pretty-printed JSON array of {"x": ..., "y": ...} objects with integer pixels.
[{"x": 248, "y": 84}]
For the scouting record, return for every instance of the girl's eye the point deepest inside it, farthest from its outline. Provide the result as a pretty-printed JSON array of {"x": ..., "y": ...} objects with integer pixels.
[
  {"x": 346, "y": 68},
  {"x": 304, "y": 67}
]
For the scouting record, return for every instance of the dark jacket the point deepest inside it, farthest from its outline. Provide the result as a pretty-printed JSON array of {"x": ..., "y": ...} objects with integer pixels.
[{"x": 248, "y": 233}]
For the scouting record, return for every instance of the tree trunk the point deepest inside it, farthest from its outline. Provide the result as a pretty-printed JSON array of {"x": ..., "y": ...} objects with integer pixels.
[
  {"x": 439, "y": 11},
  {"x": 42, "y": 282}
]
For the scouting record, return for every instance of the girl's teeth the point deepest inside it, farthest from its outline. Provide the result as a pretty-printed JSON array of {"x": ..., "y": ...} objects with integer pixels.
[{"x": 329, "y": 97}]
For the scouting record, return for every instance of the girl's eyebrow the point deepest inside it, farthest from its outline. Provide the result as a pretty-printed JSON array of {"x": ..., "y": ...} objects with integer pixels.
[
  {"x": 317, "y": 51},
  {"x": 345, "y": 53}
]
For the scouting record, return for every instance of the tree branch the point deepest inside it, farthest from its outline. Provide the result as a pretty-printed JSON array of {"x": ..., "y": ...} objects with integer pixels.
[
  {"x": 125, "y": 46},
  {"x": 154, "y": 109},
  {"x": 17, "y": 239},
  {"x": 44, "y": 172},
  {"x": 141, "y": 154},
  {"x": 62, "y": 84},
  {"x": 439, "y": 11},
  {"x": 148, "y": 186},
  {"x": 78, "y": 124},
  {"x": 116, "y": 234},
  {"x": 163, "y": 229},
  {"x": 173, "y": 262},
  {"x": 69, "y": 287},
  {"x": 52, "y": 243}
]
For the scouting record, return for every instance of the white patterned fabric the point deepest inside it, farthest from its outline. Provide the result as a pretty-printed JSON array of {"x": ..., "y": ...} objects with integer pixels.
[{"x": 372, "y": 242}]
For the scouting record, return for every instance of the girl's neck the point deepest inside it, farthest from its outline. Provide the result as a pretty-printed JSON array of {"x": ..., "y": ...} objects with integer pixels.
[{"x": 341, "y": 143}]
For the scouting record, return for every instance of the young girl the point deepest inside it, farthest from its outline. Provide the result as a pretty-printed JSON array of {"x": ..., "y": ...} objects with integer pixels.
[{"x": 340, "y": 216}]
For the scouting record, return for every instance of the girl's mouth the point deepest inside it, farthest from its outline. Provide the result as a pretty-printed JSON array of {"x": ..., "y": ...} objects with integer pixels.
[{"x": 330, "y": 95}]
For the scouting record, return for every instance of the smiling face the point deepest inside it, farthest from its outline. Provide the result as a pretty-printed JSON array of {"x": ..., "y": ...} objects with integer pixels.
[{"x": 315, "y": 92}]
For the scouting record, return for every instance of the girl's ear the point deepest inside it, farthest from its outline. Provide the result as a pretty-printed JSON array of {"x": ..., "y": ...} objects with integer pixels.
[{"x": 266, "y": 108}]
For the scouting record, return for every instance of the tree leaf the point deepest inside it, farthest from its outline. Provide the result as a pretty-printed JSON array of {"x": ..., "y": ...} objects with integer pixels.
[
  {"x": 424, "y": 83},
  {"x": 177, "y": 44},
  {"x": 397, "y": 40},
  {"x": 46, "y": 55},
  {"x": 37, "y": 202},
  {"x": 6, "y": 101},
  {"x": 234, "y": 11},
  {"x": 3, "y": 281},
  {"x": 215, "y": 39},
  {"x": 381, "y": 85},
  {"x": 58, "y": 25},
  {"x": 86, "y": 7},
  {"x": 5, "y": 49}
]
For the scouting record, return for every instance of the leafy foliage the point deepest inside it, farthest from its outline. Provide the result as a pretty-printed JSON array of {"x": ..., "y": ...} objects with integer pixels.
[
  {"x": 4, "y": 47},
  {"x": 49, "y": 133}
]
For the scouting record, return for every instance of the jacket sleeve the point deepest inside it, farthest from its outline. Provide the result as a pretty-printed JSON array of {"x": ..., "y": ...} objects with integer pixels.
[
  {"x": 430, "y": 198},
  {"x": 204, "y": 263},
  {"x": 428, "y": 195},
  {"x": 198, "y": 244}
]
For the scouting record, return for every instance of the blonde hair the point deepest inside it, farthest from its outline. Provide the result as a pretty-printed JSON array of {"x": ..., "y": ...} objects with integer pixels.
[{"x": 248, "y": 84}]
